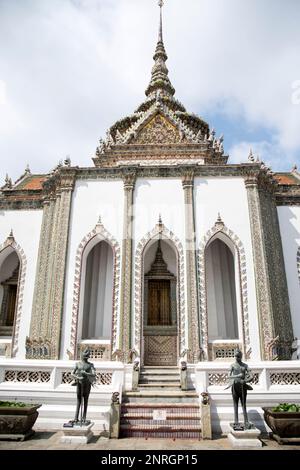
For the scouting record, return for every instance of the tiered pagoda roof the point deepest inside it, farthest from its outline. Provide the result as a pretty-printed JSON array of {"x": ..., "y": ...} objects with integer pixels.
[{"x": 160, "y": 121}]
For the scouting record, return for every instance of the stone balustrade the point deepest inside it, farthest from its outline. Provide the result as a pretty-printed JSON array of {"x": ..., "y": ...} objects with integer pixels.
[
  {"x": 56, "y": 375},
  {"x": 280, "y": 376}
]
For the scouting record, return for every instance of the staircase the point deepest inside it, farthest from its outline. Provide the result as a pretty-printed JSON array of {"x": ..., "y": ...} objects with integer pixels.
[{"x": 159, "y": 408}]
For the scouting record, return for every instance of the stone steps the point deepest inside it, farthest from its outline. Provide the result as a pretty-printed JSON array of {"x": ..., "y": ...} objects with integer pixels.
[
  {"x": 160, "y": 420},
  {"x": 159, "y": 408},
  {"x": 163, "y": 385},
  {"x": 153, "y": 377},
  {"x": 161, "y": 395}
]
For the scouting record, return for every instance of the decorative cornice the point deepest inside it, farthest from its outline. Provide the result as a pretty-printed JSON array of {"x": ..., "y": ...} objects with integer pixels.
[{"x": 34, "y": 200}]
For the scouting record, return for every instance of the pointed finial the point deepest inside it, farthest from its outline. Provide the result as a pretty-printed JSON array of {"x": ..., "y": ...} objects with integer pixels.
[
  {"x": 160, "y": 32},
  {"x": 295, "y": 168},
  {"x": 27, "y": 170},
  {"x": 251, "y": 157},
  {"x": 8, "y": 181},
  {"x": 219, "y": 222},
  {"x": 159, "y": 220},
  {"x": 67, "y": 161},
  {"x": 99, "y": 220},
  {"x": 159, "y": 78},
  {"x": 11, "y": 234}
]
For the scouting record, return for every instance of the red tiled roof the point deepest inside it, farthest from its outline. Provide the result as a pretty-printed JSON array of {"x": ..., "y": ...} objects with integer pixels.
[
  {"x": 31, "y": 183},
  {"x": 287, "y": 179}
]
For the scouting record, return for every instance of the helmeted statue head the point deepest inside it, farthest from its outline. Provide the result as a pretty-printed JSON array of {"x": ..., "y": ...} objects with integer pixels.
[
  {"x": 85, "y": 353},
  {"x": 238, "y": 353}
]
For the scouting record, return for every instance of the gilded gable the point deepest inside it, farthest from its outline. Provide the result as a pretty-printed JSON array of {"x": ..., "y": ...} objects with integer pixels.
[{"x": 158, "y": 131}]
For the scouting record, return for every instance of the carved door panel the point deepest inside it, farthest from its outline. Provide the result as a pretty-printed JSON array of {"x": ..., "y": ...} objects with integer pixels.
[
  {"x": 159, "y": 307},
  {"x": 160, "y": 336}
]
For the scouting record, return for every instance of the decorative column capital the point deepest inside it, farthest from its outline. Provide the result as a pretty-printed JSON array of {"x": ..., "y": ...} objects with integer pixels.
[
  {"x": 67, "y": 178},
  {"x": 129, "y": 180},
  {"x": 188, "y": 180},
  {"x": 251, "y": 180}
]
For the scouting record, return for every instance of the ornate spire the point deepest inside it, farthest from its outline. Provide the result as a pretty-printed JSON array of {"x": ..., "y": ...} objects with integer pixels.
[{"x": 160, "y": 82}]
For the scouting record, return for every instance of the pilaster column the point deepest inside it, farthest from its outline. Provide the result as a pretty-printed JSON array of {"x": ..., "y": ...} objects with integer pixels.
[
  {"x": 271, "y": 289},
  {"x": 39, "y": 287},
  {"x": 191, "y": 273},
  {"x": 277, "y": 275},
  {"x": 45, "y": 328},
  {"x": 126, "y": 269},
  {"x": 59, "y": 268},
  {"x": 38, "y": 333}
]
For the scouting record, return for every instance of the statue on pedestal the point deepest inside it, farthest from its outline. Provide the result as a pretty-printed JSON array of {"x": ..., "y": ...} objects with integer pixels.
[
  {"x": 84, "y": 375},
  {"x": 239, "y": 377}
]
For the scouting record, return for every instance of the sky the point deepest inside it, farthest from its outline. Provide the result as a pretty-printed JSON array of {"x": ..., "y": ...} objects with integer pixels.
[{"x": 70, "y": 68}]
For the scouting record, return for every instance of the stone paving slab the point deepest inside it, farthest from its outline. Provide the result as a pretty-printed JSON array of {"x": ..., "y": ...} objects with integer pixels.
[{"x": 51, "y": 441}]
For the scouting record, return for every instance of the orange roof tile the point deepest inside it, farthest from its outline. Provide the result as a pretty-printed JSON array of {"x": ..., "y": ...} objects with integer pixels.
[
  {"x": 32, "y": 183},
  {"x": 287, "y": 179}
]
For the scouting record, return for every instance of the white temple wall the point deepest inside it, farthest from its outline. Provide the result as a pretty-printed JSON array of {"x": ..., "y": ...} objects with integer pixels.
[
  {"x": 228, "y": 197},
  {"x": 26, "y": 226},
  {"x": 289, "y": 222},
  {"x": 91, "y": 199}
]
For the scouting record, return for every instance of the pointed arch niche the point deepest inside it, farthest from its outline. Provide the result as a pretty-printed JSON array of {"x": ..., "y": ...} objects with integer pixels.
[
  {"x": 224, "y": 321},
  {"x": 298, "y": 263},
  {"x": 96, "y": 295},
  {"x": 147, "y": 265},
  {"x": 12, "y": 279}
]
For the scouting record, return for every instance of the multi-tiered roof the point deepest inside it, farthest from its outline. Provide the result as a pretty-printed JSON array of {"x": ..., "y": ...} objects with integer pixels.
[{"x": 160, "y": 129}]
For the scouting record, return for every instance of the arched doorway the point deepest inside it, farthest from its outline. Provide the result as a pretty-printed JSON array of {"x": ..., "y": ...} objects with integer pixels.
[
  {"x": 160, "y": 325},
  {"x": 97, "y": 294},
  {"x": 222, "y": 311},
  {"x": 9, "y": 281}
]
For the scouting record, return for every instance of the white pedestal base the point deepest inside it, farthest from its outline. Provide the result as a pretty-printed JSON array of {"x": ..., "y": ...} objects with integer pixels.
[
  {"x": 77, "y": 434},
  {"x": 247, "y": 438}
]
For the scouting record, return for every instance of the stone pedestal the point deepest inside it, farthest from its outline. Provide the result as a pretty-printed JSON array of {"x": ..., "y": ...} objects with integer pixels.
[
  {"x": 246, "y": 438},
  {"x": 77, "y": 434}
]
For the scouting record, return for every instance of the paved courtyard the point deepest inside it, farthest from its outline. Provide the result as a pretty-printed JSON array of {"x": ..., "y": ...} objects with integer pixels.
[{"x": 51, "y": 441}]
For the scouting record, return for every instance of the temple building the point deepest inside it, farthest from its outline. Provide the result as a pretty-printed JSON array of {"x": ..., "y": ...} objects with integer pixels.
[{"x": 161, "y": 255}]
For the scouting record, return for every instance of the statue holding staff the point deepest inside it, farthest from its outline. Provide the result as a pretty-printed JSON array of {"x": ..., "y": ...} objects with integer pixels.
[
  {"x": 84, "y": 375},
  {"x": 239, "y": 377}
]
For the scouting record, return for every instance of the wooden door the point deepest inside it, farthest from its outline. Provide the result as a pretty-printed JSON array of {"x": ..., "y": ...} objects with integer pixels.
[{"x": 159, "y": 306}]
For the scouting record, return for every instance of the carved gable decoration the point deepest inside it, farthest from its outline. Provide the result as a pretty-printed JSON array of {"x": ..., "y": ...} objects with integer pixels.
[{"x": 158, "y": 130}]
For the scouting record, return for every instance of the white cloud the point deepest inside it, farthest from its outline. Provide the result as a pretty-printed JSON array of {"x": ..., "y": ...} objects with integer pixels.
[
  {"x": 73, "y": 67},
  {"x": 2, "y": 93}
]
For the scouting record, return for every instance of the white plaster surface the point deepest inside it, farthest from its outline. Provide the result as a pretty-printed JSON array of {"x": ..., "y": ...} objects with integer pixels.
[{"x": 289, "y": 222}]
